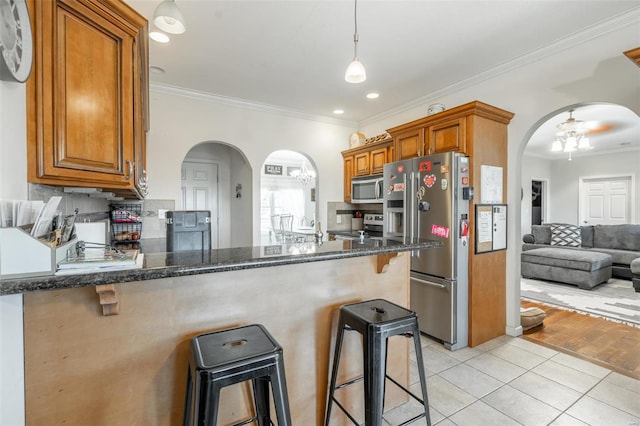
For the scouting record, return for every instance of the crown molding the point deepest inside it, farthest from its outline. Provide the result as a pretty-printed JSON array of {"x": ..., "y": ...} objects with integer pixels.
[
  {"x": 248, "y": 105},
  {"x": 597, "y": 30}
]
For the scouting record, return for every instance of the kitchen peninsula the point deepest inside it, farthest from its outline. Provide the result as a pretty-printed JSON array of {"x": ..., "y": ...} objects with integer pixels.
[{"x": 82, "y": 367}]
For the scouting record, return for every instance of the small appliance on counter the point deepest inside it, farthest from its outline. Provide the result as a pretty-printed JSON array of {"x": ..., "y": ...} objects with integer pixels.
[
  {"x": 188, "y": 230},
  {"x": 424, "y": 198}
]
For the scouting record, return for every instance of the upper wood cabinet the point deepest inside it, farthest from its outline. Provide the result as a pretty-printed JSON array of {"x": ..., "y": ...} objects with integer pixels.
[
  {"x": 348, "y": 175},
  {"x": 87, "y": 97},
  {"x": 449, "y": 130},
  {"x": 361, "y": 161},
  {"x": 409, "y": 144},
  {"x": 365, "y": 160},
  {"x": 378, "y": 157},
  {"x": 447, "y": 136}
]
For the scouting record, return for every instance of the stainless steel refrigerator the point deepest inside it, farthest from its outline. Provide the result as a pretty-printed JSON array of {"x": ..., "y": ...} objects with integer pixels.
[{"x": 428, "y": 198}]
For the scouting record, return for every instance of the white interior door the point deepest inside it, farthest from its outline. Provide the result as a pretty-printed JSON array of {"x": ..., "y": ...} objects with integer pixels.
[
  {"x": 200, "y": 191},
  {"x": 606, "y": 200}
]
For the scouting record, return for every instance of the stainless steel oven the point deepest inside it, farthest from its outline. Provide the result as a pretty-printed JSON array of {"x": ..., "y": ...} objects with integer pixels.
[{"x": 367, "y": 189}]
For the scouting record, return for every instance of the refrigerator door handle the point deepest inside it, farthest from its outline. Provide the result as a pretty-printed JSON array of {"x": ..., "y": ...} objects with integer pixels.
[
  {"x": 429, "y": 283},
  {"x": 411, "y": 198},
  {"x": 415, "y": 209},
  {"x": 404, "y": 208}
]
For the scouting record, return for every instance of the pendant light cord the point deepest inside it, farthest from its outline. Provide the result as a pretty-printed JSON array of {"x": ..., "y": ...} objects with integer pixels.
[{"x": 355, "y": 34}]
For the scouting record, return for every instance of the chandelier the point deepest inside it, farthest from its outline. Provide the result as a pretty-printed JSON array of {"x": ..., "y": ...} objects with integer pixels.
[
  {"x": 303, "y": 176},
  {"x": 571, "y": 136}
]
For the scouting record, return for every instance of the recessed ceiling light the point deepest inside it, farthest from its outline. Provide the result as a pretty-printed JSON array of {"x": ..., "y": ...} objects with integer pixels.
[
  {"x": 159, "y": 37},
  {"x": 156, "y": 70},
  {"x": 373, "y": 95},
  {"x": 338, "y": 111}
]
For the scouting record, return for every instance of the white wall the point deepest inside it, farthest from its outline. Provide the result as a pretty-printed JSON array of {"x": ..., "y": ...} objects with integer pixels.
[
  {"x": 565, "y": 177},
  {"x": 589, "y": 67},
  {"x": 13, "y": 185},
  {"x": 241, "y": 208},
  {"x": 180, "y": 120}
]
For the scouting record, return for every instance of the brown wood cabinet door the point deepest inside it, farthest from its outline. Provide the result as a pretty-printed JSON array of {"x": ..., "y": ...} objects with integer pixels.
[
  {"x": 362, "y": 164},
  {"x": 378, "y": 158},
  {"x": 409, "y": 144},
  {"x": 81, "y": 103},
  {"x": 448, "y": 136},
  {"x": 348, "y": 174}
]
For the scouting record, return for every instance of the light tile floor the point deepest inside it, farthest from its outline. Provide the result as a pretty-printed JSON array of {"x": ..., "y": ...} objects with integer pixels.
[{"x": 510, "y": 381}]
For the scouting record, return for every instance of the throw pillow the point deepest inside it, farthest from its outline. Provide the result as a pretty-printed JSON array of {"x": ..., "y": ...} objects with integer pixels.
[
  {"x": 541, "y": 233},
  {"x": 565, "y": 235}
]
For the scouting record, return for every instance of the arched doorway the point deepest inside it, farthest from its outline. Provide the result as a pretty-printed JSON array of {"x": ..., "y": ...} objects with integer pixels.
[
  {"x": 217, "y": 177},
  {"x": 615, "y": 137},
  {"x": 288, "y": 188},
  {"x": 614, "y": 140}
]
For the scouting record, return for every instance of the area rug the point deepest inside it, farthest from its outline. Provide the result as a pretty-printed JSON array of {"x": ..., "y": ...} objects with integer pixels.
[{"x": 615, "y": 300}]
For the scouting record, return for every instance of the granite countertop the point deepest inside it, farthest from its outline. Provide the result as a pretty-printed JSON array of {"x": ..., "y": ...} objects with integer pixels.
[{"x": 177, "y": 264}]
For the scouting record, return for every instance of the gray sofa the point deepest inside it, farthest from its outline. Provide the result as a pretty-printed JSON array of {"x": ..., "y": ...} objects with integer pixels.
[{"x": 621, "y": 242}]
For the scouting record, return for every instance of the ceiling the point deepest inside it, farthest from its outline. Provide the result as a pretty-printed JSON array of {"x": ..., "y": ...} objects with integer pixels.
[
  {"x": 613, "y": 129},
  {"x": 292, "y": 55}
]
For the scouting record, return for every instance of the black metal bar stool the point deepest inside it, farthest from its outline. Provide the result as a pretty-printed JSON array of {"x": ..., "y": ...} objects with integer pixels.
[
  {"x": 376, "y": 320},
  {"x": 227, "y": 357}
]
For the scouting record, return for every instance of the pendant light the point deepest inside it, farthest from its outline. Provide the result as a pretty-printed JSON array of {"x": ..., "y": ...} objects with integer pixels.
[
  {"x": 355, "y": 71},
  {"x": 168, "y": 18}
]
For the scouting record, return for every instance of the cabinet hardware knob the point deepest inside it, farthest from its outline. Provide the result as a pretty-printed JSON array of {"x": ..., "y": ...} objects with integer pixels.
[{"x": 131, "y": 169}]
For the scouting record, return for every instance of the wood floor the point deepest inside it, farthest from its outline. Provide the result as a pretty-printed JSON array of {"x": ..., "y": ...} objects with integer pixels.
[{"x": 609, "y": 344}]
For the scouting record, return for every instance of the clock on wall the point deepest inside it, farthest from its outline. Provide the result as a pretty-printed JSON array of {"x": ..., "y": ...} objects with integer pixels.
[{"x": 16, "y": 41}]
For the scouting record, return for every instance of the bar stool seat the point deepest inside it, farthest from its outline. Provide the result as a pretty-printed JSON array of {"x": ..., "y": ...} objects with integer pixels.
[
  {"x": 376, "y": 320},
  {"x": 231, "y": 356}
]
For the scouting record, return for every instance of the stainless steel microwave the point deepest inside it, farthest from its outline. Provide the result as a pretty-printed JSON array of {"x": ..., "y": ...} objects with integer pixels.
[{"x": 367, "y": 189}]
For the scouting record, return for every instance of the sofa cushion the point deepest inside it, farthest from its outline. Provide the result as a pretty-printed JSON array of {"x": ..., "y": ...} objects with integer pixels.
[
  {"x": 565, "y": 235},
  {"x": 582, "y": 260},
  {"x": 635, "y": 266},
  {"x": 586, "y": 234},
  {"x": 622, "y": 237},
  {"x": 541, "y": 233},
  {"x": 620, "y": 257}
]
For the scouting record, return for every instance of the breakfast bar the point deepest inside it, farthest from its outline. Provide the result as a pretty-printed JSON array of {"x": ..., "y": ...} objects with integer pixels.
[{"x": 85, "y": 364}]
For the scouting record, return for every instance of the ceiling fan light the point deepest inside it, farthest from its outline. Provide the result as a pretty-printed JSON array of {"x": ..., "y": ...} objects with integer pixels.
[
  {"x": 570, "y": 144},
  {"x": 557, "y": 146},
  {"x": 168, "y": 18},
  {"x": 584, "y": 143},
  {"x": 355, "y": 72}
]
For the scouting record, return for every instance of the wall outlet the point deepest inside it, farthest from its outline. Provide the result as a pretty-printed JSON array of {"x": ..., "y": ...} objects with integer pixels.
[
  {"x": 338, "y": 219},
  {"x": 162, "y": 213}
]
